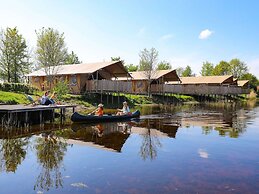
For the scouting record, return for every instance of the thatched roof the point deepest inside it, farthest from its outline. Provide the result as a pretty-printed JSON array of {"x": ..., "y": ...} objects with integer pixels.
[
  {"x": 115, "y": 68},
  {"x": 166, "y": 75},
  {"x": 242, "y": 83},
  {"x": 225, "y": 79}
]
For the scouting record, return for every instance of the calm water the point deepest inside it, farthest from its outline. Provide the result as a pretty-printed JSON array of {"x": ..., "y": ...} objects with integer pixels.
[{"x": 187, "y": 149}]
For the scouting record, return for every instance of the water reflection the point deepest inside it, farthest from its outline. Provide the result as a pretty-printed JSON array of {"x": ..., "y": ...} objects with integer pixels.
[
  {"x": 103, "y": 135},
  {"x": 50, "y": 154},
  {"x": 227, "y": 120},
  {"x": 12, "y": 153},
  {"x": 50, "y": 142}
]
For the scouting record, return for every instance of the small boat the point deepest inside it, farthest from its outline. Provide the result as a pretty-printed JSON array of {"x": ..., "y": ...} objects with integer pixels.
[{"x": 76, "y": 117}]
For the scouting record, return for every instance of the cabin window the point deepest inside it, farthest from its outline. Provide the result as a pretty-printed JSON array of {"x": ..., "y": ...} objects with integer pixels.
[
  {"x": 36, "y": 79},
  {"x": 73, "y": 80}
]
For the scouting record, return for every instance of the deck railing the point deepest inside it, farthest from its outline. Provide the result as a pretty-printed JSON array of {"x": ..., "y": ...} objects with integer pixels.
[{"x": 100, "y": 86}]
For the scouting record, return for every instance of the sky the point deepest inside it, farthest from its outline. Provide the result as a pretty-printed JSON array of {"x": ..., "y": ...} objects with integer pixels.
[{"x": 184, "y": 32}]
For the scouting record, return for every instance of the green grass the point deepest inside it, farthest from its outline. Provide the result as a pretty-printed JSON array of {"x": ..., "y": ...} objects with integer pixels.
[
  {"x": 184, "y": 98},
  {"x": 75, "y": 99},
  {"x": 13, "y": 98},
  {"x": 139, "y": 99}
]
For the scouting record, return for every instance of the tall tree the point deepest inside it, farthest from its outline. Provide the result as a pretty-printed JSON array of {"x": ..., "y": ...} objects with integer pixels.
[
  {"x": 222, "y": 68},
  {"x": 14, "y": 57},
  {"x": 51, "y": 51},
  {"x": 72, "y": 58},
  {"x": 148, "y": 63},
  {"x": 253, "y": 81},
  {"x": 238, "y": 68},
  {"x": 187, "y": 72},
  {"x": 207, "y": 69},
  {"x": 164, "y": 65}
]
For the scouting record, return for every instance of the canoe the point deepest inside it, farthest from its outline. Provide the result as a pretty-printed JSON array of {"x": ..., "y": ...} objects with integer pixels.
[{"x": 76, "y": 117}]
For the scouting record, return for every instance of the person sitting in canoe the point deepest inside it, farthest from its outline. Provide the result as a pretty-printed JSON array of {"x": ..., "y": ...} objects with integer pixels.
[
  {"x": 125, "y": 109},
  {"x": 98, "y": 111}
]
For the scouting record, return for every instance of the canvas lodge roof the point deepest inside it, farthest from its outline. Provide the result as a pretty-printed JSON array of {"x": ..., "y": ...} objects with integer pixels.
[
  {"x": 110, "y": 69},
  {"x": 167, "y": 75},
  {"x": 242, "y": 83},
  {"x": 218, "y": 80}
]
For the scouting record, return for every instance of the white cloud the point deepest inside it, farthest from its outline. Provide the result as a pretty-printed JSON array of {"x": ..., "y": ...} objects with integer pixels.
[
  {"x": 205, "y": 34},
  {"x": 141, "y": 31},
  {"x": 203, "y": 153},
  {"x": 165, "y": 37}
]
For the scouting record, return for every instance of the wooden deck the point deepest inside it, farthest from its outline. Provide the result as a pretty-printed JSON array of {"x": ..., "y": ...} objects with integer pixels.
[
  {"x": 106, "y": 86},
  {"x": 10, "y": 114}
]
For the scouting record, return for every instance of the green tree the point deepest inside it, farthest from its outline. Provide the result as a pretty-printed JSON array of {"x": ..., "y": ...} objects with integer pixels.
[
  {"x": 253, "y": 81},
  {"x": 72, "y": 58},
  {"x": 131, "y": 67},
  {"x": 238, "y": 68},
  {"x": 164, "y": 65},
  {"x": 148, "y": 63},
  {"x": 207, "y": 69},
  {"x": 51, "y": 51},
  {"x": 223, "y": 68},
  {"x": 14, "y": 56},
  {"x": 187, "y": 72}
]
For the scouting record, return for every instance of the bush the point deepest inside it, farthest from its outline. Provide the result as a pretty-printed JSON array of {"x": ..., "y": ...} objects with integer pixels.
[
  {"x": 17, "y": 87},
  {"x": 61, "y": 88}
]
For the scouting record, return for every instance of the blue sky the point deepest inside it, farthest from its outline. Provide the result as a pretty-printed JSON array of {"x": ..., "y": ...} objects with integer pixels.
[{"x": 184, "y": 32}]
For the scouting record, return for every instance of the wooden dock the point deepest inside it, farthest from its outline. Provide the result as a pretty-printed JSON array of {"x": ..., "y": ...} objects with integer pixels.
[{"x": 10, "y": 114}]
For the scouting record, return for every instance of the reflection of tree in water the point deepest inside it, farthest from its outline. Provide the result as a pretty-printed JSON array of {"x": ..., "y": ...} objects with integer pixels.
[
  {"x": 50, "y": 154},
  {"x": 237, "y": 124},
  {"x": 230, "y": 123},
  {"x": 12, "y": 153},
  {"x": 149, "y": 145},
  {"x": 207, "y": 129}
]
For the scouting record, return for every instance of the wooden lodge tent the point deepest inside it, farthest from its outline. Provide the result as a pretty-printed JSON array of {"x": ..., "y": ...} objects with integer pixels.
[
  {"x": 140, "y": 81},
  {"x": 243, "y": 83},
  {"x": 209, "y": 80},
  {"x": 78, "y": 74}
]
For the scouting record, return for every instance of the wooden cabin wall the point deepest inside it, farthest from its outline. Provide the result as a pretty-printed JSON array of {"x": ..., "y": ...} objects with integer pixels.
[{"x": 139, "y": 86}]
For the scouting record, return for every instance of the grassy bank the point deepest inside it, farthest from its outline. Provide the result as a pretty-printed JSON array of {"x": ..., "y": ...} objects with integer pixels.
[
  {"x": 12, "y": 98},
  {"x": 110, "y": 101}
]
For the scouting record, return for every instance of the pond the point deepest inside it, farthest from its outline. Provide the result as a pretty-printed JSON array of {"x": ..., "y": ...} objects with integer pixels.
[{"x": 170, "y": 149}]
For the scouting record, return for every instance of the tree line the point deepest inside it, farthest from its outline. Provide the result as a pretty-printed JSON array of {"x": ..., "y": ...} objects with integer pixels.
[{"x": 17, "y": 60}]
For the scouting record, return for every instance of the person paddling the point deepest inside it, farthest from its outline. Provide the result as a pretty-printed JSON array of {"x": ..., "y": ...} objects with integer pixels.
[{"x": 98, "y": 111}]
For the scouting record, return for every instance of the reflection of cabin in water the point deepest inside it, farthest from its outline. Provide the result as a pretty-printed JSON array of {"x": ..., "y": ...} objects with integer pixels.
[
  {"x": 77, "y": 75},
  {"x": 105, "y": 135},
  {"x": 162, "y": 127}
]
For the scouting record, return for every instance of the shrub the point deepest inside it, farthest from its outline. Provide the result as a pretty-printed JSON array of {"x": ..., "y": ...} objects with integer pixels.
[
  {"x": 61, "y": 88},
  {"x": 17, "y": 87}
]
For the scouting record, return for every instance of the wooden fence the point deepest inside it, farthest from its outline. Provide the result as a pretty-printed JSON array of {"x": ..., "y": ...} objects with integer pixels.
[{"x": 102, "y": 86}]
